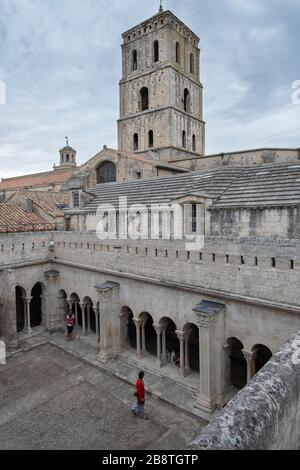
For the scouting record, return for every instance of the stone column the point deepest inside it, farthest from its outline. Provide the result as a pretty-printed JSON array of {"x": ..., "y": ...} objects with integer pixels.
[
  {"x": 158, "y": 348},
  {"x": 53, "y": 316},
  {"x": 83, "y": 327},
  {"x": 88, "y": 312},
  {"x": 207, "y": 397},
  {"x": 138, "y": 337},
  {"x": 97, "y": 314},
  {"x": 143, "y": 348},
  {"x": 180, "y": 336},
  {"x": 28, "y": 322},
  {"x": 163, "y": 342},
  {"x": 109, "y": 304},
  {"x": 25, "y": 313},
  {"x": 8, "y": 315},
  {"x": 249, "y": 356},
  {"x": 76, "y": 312},
  {"x": 187, "y": 334}
]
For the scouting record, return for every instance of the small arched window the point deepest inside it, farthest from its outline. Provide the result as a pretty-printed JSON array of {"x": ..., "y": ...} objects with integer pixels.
[
  {"x": 177, "y": 53},
  {"x": 150, "y": 139},
  {"x": 134, "y": 60},
  {"x": 135, "y": 142},
  {"x": 144, "y": 99},
  {"x": 67, "y": 158},
  {"x": 155, "y": 51},
  {"x": 184, "y": 139},
  {"x": 192, "y": 64},
  {"x": 186, "y": 100},
  {"x": 106, "y": 173},
  {"x": 194, "y": 143}
]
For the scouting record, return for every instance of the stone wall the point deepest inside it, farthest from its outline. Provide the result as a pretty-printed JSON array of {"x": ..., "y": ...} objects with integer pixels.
[{"x": 265, "y": 415}]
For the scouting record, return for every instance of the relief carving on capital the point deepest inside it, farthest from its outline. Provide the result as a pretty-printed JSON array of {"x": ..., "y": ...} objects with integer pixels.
[{"x": 206, "y": 322}]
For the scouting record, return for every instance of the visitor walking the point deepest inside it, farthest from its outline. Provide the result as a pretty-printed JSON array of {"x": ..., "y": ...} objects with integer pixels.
[
  {"x": 70, "y": 322},
  {"x": 138, "y": 409}
]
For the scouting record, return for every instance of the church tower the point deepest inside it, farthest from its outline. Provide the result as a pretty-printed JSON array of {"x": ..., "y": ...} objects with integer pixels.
[{"x": 160, "y": 91}]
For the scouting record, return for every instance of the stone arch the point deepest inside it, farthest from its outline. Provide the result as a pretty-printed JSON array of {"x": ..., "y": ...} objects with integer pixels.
[
  {"x": 191, "y": 338},
  {"x": 127, "y": 328},
  {"x": 21, "y": 296},
  {"x": 150, "y": 139},
  {"x": 186, "y": 101},
  {"x": 76, "y": 308},
  {"x": 135, "y": 145},
  {"x": 36, "y": 304},
  {"x": 149, "y": 341},
  {"x": 106, "y": 173},
  {"x": 184, "y": 139},
  {"x": 89, "y": 314},
  {"x": 262, "y": 354},
  {"x": 170, "y": 341},
  {"x": 237, "y": 363}
]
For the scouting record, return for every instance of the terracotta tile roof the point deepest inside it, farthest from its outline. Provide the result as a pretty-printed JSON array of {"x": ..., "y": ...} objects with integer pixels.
[
  {"x": 50, "y": 202},
  {"x": 13, "y": 218},
  {"x": 38, "y": 179}
]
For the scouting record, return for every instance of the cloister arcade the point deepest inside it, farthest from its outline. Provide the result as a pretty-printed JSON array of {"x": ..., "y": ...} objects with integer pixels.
[{"x": 141, "y": 334}]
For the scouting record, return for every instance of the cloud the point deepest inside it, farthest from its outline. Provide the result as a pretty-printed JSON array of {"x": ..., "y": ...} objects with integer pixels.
[{"x": 61, "y": 64}]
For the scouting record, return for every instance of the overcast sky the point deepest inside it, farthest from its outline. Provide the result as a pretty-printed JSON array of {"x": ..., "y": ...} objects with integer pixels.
[{"x": 61, "y": 62}]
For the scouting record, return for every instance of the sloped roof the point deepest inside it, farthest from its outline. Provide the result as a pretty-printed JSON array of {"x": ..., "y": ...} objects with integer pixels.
[
  {"x": 38, "y": 179},
  {"x": 13, "y": 218},
  {"x": 261, "y": 186},
  {"x": 50, "y": 202}
]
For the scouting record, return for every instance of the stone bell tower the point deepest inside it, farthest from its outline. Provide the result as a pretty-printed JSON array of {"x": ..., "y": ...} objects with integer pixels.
[{"x": 160, "y": 91}]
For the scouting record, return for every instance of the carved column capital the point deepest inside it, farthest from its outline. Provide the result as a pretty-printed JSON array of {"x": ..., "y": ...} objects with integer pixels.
[{"x": 206, "y": 322}]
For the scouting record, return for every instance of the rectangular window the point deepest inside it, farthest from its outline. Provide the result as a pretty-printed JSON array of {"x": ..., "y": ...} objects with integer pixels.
[{"x": 194, "y": 218}]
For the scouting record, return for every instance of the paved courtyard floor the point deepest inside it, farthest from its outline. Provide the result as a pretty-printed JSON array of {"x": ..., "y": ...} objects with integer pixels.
[{"x": 51, "y": 400}]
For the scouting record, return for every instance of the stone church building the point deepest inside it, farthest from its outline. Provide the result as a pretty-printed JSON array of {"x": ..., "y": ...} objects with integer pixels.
[{"x": 223, "y": 296}]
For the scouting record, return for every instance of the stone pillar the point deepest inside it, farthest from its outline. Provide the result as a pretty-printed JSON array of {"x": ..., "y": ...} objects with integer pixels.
[
  {"x": 97, "y": 314},
  {"x": 28, "y": 322},
  {"x": 8, "y": 310},
  {"x": 180, "y": 336},
  {"x": 76, "y": 312},
  {"x": 83, "y": 327},
  {"x": 109, "y": 304},
  {"x": 207, "y": 397},
  {"x": 158, "y": 330},
  {"x": 143, "y": 348},
  {"x": 249, "y": 356},
  {"x": 88, "y": 312},
  {"x": 187, "y": 334},
  {"x": 138, "y": 337},
  {"x": 53, "y": 317},
  {"x": 164, "y": 343}
]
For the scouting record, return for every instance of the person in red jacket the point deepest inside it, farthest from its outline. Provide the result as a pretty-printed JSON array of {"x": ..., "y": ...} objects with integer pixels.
[
  {"x": 139, "y": 408},
  {"x": 70, "y": 322}
]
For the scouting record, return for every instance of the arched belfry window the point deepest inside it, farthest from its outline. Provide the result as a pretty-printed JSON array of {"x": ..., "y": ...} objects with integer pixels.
[
  {"x": 135, "y": 142},
  {"x": 192, "y": 64},
  {"x": 106, "y": 173},
  {"x": 134, "y": 60},
  {"x": 155, "y": 51},
  {"x": 194, "y": 143},
  {"x": 177, "y": 53},
  {"x": 150, "y": 139},
  {"x": 186, "y": 101},
  {"x": 184, "y": 139},
  {"x": 144, "y": 99}
]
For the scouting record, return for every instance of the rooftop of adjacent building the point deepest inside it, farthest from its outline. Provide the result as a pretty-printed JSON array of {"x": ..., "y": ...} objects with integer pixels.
[{"x": 14, "y": 218}]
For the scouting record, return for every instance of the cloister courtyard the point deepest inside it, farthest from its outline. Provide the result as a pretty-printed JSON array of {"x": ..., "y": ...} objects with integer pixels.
[{"x": 50, "y": 399}]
